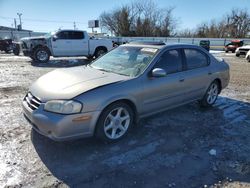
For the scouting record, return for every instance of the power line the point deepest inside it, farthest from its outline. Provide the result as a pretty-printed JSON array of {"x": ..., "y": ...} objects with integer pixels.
[{"x": 41, "y": 20}]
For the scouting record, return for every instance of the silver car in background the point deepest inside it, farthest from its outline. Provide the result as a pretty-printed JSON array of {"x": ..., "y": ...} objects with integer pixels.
[{"x": 107, "y": 97}]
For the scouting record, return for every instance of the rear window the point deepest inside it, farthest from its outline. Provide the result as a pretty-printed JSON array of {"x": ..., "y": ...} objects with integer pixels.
[{"x": 195, "y": 59}]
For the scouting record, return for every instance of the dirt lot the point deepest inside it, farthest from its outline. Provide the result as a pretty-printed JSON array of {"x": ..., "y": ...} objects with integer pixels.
[{"x": 183, "y": 147}]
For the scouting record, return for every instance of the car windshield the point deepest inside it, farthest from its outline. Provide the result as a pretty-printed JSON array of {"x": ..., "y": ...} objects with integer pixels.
[
  {"x": 47, "y": 35},
  {"x": 126, "y": 60}
]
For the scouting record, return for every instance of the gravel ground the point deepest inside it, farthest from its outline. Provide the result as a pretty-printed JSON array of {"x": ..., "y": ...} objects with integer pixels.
[{"x": 183, "y": 147}]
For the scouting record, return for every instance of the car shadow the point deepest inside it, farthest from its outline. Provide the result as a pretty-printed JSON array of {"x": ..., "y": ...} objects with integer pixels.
[
  {"x": 168, "y": 148},
  {"x": 59, "y": 62}
]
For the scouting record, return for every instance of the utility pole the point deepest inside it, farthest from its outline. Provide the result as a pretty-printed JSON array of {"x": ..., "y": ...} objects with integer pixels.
[
  {"x": 15, "y": 22},
  {"x": 20, "y": 19}
]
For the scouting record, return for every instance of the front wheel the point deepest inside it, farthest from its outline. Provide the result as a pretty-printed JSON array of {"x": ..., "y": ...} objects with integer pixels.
[
  {"x": 248, "y": 58},
  {"x": 211, "y": 95},
  {"x": 41, "y": 55},
  {"x": 114, "y": 122}
]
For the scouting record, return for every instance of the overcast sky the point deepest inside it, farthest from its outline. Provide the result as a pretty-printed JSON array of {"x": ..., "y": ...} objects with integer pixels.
[{"x": 49, "y": 15}]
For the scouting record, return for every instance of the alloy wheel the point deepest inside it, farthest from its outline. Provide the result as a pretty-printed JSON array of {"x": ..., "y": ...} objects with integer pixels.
[
  {"x": 117, "y": 123},
  {"x": 212, "y": 93}
]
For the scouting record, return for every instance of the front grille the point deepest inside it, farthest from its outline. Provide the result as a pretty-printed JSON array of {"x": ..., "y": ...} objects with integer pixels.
[
  {"x": 244, "y": 50},
  {"x": 32, "y": 101}
]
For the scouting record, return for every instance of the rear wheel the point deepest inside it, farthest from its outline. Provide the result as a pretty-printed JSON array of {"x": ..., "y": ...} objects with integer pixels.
[
  {"x": 41, "y": 55},
  {"x": 100, "y": 52},
  {"x": 237, "y": 55},
  {"x": 16, "y": 50},
  {"x": 211, "y": 95},
  {"x": 114, "y": 122}
]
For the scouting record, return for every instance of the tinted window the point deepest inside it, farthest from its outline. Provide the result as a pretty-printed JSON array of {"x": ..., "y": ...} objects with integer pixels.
[
  {"x": 195, "y": 59},
  {"x": 70, "y": 35},
  {"x": 170, "y": 61},
  {"x": 63, "y": 35},
  {"x": 76, "y": 35}
]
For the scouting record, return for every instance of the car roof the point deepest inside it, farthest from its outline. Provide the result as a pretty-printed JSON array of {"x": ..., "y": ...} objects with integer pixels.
[{"x": 160, "y": 45}]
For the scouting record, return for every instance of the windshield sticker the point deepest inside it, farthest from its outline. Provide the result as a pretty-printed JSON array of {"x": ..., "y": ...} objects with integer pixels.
[{"x": 149, "y": 50}]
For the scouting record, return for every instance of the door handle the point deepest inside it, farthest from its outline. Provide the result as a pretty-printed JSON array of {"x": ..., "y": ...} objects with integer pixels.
[{"x": 182, "y": 80}]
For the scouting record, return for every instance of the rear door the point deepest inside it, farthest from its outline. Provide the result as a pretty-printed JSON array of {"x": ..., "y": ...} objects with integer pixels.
[
  {"x": 79, "y": 43},
  {"x": 164, "y": 92},
  {"x": 197, "y": 73}
]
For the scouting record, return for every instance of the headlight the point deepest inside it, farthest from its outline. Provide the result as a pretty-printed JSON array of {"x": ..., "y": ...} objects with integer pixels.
[{"x": 63, "y": 106}]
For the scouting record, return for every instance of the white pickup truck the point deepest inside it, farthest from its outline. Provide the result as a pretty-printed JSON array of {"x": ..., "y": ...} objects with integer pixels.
[{"x": 64, "y": 43}]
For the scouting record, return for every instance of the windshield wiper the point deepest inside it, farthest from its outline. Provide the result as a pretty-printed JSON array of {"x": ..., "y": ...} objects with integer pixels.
[{"x": 104, "y": 70}]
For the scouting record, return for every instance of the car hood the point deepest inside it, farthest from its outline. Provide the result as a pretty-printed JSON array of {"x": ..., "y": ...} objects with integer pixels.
[
  {"x": 70, "y": 82},
  {"x": 33, "y": 38},
  {"x": 245, "y": 47}
]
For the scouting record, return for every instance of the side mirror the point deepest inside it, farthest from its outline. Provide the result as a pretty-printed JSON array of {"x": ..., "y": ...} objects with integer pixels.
[
  {"x": 54, "y": 38},
  {"x": 158, "y": 72}
]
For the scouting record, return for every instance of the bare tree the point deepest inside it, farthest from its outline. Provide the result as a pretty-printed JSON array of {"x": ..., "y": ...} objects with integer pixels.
[
  {"x": 238, "y": 23},
  {"x": 140, "y": 18}
]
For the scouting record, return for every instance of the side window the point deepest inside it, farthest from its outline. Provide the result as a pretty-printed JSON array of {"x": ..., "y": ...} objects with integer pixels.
[
  {"x": 195, "y": 59},
  {"x": 171, "y": 61},
  {"x": 76, "y": 35},
  {"x": 63, "y": 35}
]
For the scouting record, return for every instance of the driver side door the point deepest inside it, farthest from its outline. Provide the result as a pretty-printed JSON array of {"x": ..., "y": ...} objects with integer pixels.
[
  {"x": 61, "y": 44},
  {"x": 164, "y": 92}
]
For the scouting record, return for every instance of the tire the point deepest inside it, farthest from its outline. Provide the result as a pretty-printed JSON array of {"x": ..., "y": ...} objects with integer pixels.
[
  {"x": 237, "y": 55},
  {"x": 114, "y": 122},
  {"x": 7, "y": 51},
  {"x": 211, "y": 95},
  {"x": 248, "y": 58},
  {"x": 226, "y": 51},
  {"x": 233, "y": 51},
  {"x": 41, "y": 55},
  {"x": 16, "y": 51},
  {"x": 100, "y": 52}
]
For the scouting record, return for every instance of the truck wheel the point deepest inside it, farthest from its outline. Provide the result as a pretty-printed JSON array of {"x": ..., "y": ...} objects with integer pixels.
[
  {"x": 41, "y": 55},
  {"x": 99, "y": 52},
  {"x": 16, "y": 51},
  {"x": 7, "y": 51}
]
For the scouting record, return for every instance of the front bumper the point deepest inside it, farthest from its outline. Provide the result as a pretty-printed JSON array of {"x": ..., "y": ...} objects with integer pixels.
[{"x": 60, "y": 127}]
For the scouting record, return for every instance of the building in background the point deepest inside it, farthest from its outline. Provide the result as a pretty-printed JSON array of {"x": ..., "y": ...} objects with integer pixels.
[{"x": 15, "y": 34}]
